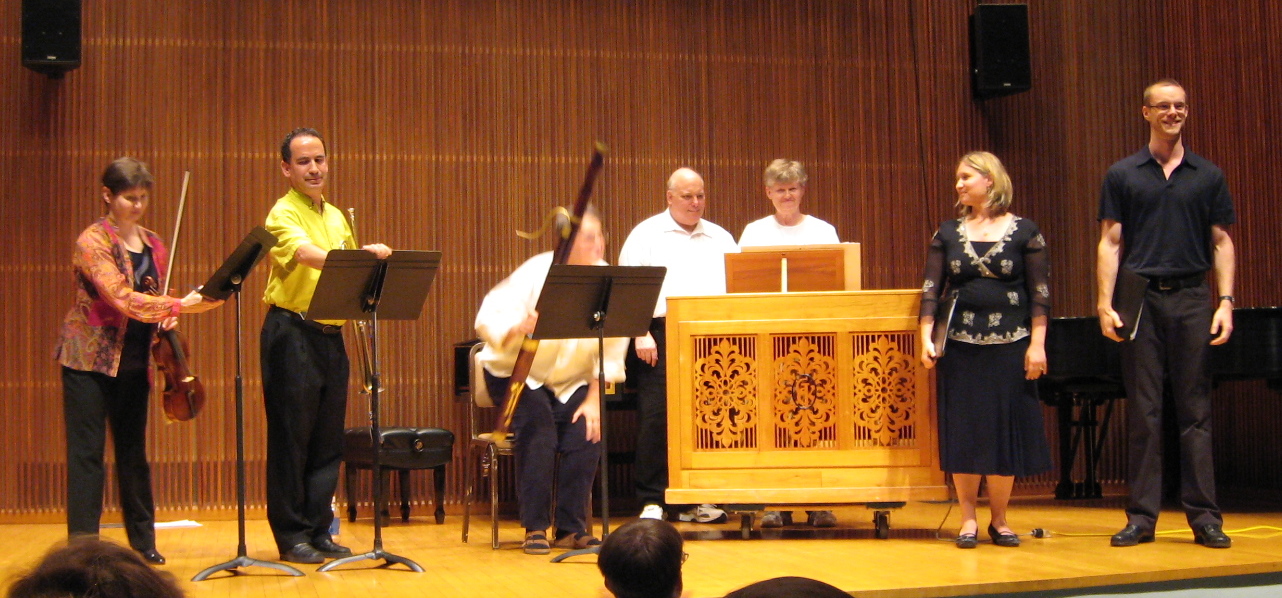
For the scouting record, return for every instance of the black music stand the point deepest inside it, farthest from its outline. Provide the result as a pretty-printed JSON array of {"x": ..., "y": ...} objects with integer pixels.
[
  {"x": 357, "y": 285},
  {"x": 225, "y": 283},
  {"x": 574, "y": 303}
]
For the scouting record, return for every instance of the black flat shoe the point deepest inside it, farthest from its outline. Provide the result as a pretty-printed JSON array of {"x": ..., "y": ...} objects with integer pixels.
[
  {"x": 1209, "y": 535},
  {"x": 302, "y": 553},
  {"x": 151, "y": 556},
  {"x": 328, "y": 549},
  {"x": 1007, "y": 539},
  {"x": 1132, "y": 535},
  {"x": 967, "y": 541}
]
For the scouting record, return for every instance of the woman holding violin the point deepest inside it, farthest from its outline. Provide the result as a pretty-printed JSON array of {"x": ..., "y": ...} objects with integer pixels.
[{"x": 105, "y": 352}]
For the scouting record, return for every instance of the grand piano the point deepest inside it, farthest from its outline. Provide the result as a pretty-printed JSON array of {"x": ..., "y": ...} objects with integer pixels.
[{"x": 1085, "y": 376}]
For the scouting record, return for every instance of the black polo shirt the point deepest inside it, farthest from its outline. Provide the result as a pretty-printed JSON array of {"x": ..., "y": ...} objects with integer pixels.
[{"x": 1166, "y": 223}]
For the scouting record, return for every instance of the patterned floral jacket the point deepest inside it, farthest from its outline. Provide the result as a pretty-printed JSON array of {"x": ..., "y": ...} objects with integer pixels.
[{"x": 93, "y": 332}]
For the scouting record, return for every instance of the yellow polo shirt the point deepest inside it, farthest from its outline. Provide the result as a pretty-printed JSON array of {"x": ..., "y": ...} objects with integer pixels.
[{"x": 295, "y": 223}]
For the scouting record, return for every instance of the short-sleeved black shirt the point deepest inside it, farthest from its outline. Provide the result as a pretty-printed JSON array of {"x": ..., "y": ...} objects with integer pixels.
[{"x": 1166, "y": 223}]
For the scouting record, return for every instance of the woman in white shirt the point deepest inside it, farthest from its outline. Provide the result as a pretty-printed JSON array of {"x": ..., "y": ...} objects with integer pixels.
[{"x": 785, "y": 182}]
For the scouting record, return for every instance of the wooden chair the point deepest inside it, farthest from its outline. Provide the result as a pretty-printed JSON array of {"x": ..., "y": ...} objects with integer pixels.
[{"x": 482, "y": 454}]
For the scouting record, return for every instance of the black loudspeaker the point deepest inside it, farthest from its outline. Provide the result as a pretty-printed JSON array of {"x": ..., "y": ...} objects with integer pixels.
[
  {"x": 999, "y": 61},
  {"x": 51, "y": 36}
]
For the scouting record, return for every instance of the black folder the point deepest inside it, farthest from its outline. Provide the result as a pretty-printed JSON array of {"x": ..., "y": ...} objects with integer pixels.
[
  {"x": 943, "y": 317},
  {"x": 1128, "y": 301}
]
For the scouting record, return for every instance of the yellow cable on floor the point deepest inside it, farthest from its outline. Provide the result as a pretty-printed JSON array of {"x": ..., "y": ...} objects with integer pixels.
[{"x": 1168, "y": 532}]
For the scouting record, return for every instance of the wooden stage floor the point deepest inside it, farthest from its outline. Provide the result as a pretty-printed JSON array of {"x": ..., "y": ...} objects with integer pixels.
[{"x": 912, "y": 563}]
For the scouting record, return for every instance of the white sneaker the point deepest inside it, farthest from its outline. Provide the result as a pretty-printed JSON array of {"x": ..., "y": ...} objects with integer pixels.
[
  {"x": 652, "y": 512},
  {"x": 704, "y": 513}
]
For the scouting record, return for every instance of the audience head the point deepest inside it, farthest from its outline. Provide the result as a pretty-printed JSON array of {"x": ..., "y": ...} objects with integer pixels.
[
  {"x": 789, "y": 587},
  {"x": 984, "y": 168},
  {"x": 91, "y": 568},
  {"x": 642, "y": 559}
]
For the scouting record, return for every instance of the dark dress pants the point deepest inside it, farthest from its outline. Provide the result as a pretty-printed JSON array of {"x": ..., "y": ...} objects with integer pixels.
[
  {"x": 305, "y": 394},
  {"x": 91, "y": 401},
  {"x": 1172, "y": 343},
  {"x": 651, "y": 469},
  {"x": 549, "y": 450}
]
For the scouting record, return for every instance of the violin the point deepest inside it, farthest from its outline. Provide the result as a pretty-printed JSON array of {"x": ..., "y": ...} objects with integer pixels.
[{"x": 184, "y": 395}]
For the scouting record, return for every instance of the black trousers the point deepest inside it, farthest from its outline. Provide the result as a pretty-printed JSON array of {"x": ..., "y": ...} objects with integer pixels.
[
  {"x": 90, "y": 402},
  {"x": 305, "y": 396},
  {"x": 1171, "y": 345},
  {"x": 651, "y": 468},
  {"x": 550, "y": 449}
]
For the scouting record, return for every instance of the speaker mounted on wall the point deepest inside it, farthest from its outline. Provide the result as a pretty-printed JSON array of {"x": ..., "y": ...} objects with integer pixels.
[
  {"x": 51, "y": 36},
  {"x": 999, "y": 54}
]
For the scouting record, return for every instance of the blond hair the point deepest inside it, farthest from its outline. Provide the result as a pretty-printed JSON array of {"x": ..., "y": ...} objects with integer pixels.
[
  {"x": 785, "y": 171},
  {"x": 1001, "y": 193}
]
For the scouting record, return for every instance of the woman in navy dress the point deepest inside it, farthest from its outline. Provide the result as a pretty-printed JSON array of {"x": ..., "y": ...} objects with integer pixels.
[{"x": 990, "y": 420}]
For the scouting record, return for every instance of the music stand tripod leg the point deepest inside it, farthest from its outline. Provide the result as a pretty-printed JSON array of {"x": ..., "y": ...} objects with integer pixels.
[
  {"x": 375, "y": 441},
  {"x": 605, "y": 447}
]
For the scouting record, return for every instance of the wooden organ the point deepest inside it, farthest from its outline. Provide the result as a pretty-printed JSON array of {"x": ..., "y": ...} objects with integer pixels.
[{"x": 810, "y": 398}]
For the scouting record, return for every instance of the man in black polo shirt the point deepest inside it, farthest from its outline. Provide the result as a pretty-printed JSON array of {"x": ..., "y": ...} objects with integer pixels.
[{"x": 1163, "y": 214}]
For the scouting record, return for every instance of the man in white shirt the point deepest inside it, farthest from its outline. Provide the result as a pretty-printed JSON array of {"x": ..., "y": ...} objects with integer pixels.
[
  {"x": 693, "y": 250},
  {"x": 785, "y": 182},
  {"x": 559, "y": 412}
]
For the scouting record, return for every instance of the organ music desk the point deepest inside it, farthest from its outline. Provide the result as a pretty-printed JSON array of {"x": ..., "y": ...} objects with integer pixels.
[{"x": 800, "y": 399}]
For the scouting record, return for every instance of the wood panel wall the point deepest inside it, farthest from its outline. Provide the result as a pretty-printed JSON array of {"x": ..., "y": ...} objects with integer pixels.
[{"x": 451, "y": 123}]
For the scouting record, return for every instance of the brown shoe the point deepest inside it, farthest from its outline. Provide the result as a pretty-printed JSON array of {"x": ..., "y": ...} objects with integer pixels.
[
  {"x": 536, "y": 542},
  {"x": 576, "y": 541}
]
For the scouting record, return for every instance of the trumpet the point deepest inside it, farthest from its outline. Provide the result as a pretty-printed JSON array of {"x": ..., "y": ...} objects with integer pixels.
[{"x": 362, "y": 331}]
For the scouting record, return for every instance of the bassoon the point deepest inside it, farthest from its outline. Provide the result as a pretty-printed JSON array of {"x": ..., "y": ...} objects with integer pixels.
[{"x": 524, "y": 359}]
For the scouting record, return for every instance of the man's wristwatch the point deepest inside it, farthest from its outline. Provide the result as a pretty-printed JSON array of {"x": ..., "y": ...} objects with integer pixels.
[{"x": 1228, "y": 297}]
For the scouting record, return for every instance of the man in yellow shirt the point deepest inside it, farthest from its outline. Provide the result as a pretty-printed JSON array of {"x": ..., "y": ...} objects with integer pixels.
[{"x": 304, "y": 363}]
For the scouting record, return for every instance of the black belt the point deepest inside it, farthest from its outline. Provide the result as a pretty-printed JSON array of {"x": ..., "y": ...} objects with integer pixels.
[
  {"x": 1175, "y": 283},
  {"x": 297, "y": 317}
]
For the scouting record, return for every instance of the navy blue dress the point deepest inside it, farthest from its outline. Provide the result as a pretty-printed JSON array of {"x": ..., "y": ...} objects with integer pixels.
[{"x": 990, "y": 419}]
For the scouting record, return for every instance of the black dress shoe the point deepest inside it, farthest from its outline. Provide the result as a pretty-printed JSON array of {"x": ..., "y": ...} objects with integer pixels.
[
  {"x": 967, "y": 541},
  {"x": 1132, "y": 535},
  {"x": 151, "y": 556},
  {"x": 329, "y": 549},
  {"x": 1211, "y": 536},
  {"x": 1007, "y": 539},
  {"x": 302, "y": 553}
]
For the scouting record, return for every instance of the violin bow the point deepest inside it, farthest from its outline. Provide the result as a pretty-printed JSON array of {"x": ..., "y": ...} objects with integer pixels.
[{"x": 173, "y": 245}]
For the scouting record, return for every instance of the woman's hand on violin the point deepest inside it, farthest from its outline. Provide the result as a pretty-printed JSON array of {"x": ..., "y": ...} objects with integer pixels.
[
  {"x": 379, "y": 249},
  {"x": 195, "y": 303},
  {"x": 169, "y": 323}
]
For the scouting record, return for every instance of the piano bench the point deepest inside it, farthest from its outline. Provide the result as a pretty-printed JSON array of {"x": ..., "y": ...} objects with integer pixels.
[{"x": 401, "y": 450}]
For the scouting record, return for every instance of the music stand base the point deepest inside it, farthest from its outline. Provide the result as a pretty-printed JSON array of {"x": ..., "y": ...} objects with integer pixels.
[
  {"x": 377, "y": 554},
  {"x": 578, "y": 552},
  {"x": 244, "y": 561}
]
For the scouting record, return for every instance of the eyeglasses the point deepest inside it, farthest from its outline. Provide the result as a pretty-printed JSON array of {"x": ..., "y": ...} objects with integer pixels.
[{"x": 1167, "y": 107}]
